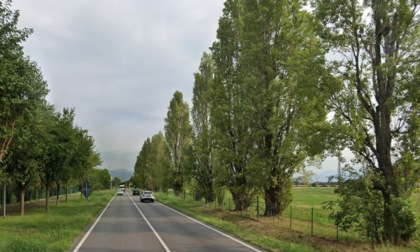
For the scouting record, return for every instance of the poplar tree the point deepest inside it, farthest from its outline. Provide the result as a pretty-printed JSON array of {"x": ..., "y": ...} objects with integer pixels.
[
  {"x": 282, "y": 71},
  {"x": 178, "y": 136},
  {"x": 230, "y": 110},
  {"x": 202, "y": 171},
  {"x": 268, "y": 107}
]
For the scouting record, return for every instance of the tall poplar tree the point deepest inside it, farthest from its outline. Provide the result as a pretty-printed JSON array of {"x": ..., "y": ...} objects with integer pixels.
[
  {"x": 161, "y": 162},
  {"x": 141, "y": 167},
  {"x": 282, "y": 70},
  {"x": 230, "y": 109},
  {"x": 151, "y": 170},
  {"x": 267, "y": 103},
  {"x": 377, "y": 106},
  {"x": 178, "y": 136},
  {"x": 202, "y": 170}
]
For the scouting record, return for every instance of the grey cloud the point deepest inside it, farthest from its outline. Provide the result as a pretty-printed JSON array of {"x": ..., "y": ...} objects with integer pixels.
[{"x": 119, "y": 62}]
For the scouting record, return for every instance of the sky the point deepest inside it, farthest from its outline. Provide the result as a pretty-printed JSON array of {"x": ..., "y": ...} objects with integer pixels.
[{"x": 118, "y": 63}]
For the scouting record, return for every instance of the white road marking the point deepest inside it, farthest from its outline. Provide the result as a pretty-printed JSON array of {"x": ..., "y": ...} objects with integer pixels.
[
  {"x": 151, "y": 227},
  {"x": 215, "y": 230},
  {"x": 92, "y": 227}
]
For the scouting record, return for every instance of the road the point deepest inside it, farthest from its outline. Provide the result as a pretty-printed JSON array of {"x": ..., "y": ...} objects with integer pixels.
[{"x": 128, "y": 225}]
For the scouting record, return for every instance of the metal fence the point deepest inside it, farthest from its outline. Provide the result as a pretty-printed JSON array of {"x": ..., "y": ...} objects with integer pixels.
[{"x": 309, "y": 220}]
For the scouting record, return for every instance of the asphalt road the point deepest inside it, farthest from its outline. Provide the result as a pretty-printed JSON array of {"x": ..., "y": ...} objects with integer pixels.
[{"x": 128, "y": 225}]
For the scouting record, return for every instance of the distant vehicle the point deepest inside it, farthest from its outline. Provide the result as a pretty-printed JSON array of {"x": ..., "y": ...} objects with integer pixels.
[
  {"x": 147, "y": 196},
  {"x": 136, "y": 191},
  {"x": 120, "y": 191},
  {"x": 122, "y": 187}
]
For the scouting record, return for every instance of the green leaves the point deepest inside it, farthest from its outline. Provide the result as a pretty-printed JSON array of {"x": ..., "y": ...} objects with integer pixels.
[
  {"x": 21, "y": 83},
  {"x": 178, "y": 136},
  {"x": 373, "y": 102}
]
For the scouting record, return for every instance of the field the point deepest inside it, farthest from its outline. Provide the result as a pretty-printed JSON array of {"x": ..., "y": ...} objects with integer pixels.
[{"x": 305, "y": 226}]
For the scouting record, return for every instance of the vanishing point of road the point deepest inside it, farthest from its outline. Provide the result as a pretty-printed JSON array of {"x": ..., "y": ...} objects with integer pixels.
[{"x": 128, "y": 225}]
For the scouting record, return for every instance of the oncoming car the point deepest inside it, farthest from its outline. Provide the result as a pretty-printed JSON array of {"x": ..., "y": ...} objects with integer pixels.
[
  {"x": 147, "y": 196},
  {"x": 120, "y": 191},
  {"x": 136, "y": 191}
]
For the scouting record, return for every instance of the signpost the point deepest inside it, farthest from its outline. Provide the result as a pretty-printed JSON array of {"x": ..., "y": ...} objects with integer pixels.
[{"x": 86, "y": 189}]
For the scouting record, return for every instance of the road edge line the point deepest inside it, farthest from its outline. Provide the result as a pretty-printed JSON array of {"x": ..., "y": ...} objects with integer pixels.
[
  {"x": 151, "y": 227},
  {"x": 92, "y": 227},
  {"x": 215, "y": 230}
]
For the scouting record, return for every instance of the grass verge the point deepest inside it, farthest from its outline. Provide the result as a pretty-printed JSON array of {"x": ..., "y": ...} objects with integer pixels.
[
  {"x": 52, "y": 231},
  {"x": 275, "y": 234}
]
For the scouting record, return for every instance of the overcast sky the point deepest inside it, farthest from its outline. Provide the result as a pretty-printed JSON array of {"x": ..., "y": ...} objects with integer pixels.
[{"x": 118, "y": 62}]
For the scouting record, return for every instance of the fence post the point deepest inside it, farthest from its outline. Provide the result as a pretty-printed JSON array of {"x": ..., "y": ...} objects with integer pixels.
[
  {"x": 336, "y": 223},
  {"x": 312, "y": 222}
]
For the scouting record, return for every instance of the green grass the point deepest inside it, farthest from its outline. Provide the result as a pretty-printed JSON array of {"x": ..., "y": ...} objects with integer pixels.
[
  {"x": 191, "y": 208},
  {"x": 294, "y": 230},
  {"x": 56, "y": 230},
  {"x": 52, "y": 231},
  {"x": 312, "y": 196}
]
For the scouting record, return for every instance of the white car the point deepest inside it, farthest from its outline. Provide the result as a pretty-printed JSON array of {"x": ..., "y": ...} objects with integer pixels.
[
  {"x": 147, "y": 196},
  {"x": 120, "y": 191}
]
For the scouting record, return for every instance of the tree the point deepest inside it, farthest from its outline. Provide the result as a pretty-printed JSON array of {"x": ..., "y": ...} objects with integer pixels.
[
  {"x": 230, "y": 110},
  {"x": 178, "y": 136},
  {"x": 202, "y": 171},
  {"x": 100, "y": 179},
  {"x": 141, "y": 167},
  {"x": 82, "y": 158},
  {"x": 376, "y": 79},
  {"x": 161, "y": 162},
  {"x": 22, "y": 163},
  {"x": 16, "y": 90},
  {"x": 66, "y": 138},
  {"x": 282, "y": 64},
  {"x": 57, "y": 148},
  {"x": 151, "y": 170},
  {"x": 268, "y": 106}
]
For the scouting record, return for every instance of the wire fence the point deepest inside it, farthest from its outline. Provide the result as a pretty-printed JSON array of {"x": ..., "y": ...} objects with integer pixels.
[{"x": 309, "y": 220}]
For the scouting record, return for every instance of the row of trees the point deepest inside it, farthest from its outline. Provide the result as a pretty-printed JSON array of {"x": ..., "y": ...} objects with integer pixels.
[
  {"x": 39, "y": 146},
  {"x": 286, "y": 85}
]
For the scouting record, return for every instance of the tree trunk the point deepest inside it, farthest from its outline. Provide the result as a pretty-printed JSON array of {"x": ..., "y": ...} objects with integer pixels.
[
  {"x": 241, "y": 200},
  {"x": 272, "y": 201},
  {"x": 22, "y": 202},
  {"x": 67, "y": 194},
  {"x": 389, "y": 225},
  {"x": 47, "y": 199},
  {"x": 57, "y": 199}
]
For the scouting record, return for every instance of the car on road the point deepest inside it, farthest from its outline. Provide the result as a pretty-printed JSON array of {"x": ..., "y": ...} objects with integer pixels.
[
  {"x": 147, "y": 196},
  {"x": 120, "y": 191},
  {"x": 136, "y": 191}
]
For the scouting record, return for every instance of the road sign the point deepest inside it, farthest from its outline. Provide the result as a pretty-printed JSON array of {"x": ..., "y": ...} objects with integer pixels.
[{"x": 86, "y": 189}]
